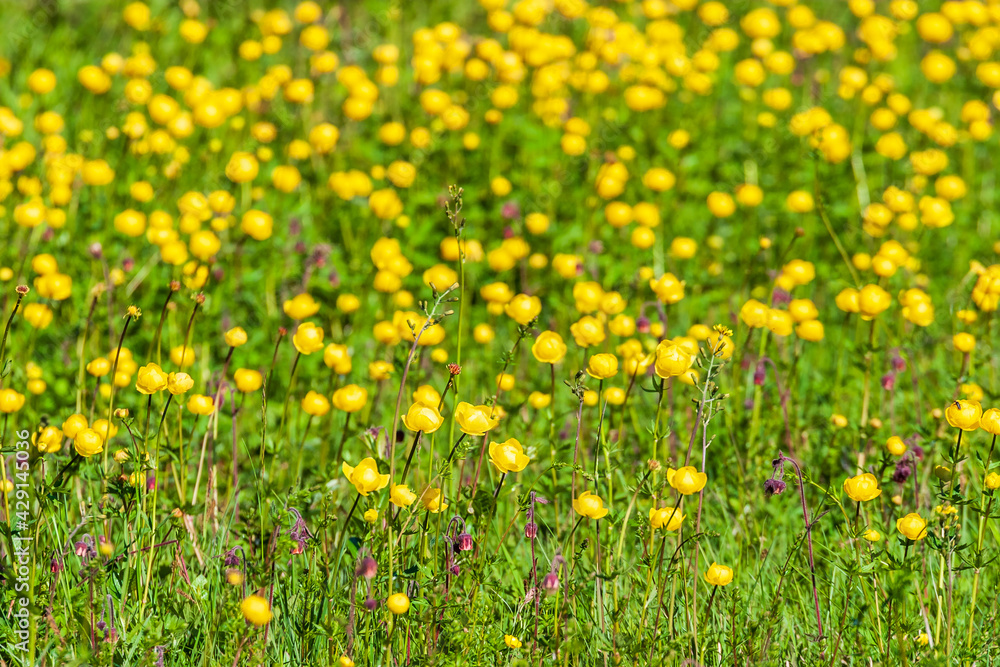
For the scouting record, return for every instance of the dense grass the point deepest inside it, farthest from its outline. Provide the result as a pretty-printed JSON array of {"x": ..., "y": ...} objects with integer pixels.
[{"x": 147, "y": 545}]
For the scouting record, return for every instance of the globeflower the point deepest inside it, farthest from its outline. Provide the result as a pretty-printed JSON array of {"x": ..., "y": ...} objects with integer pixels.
[
  {"x": 88, "y": 442},
  {"x": 300, "y": 307},
  {"x": 508, "y": 456},
  {"x": 671, "y": 359},
  {"x": 365, "y": 476},
  {"x": 398, "y": 603},
  {"x": 668, "y": 288},
  {"x": 308, "y": 338},
  {"x": 549, "y": 348},
  {"x": 990, "y": 421},
  {"x": 256, "y": 610},
  {"x": 964, "y": 414},
  {"x": 350, "y": 398},
  {"x": 179, "y": 383},
  {"x": 401, "y": 496},
  {"x": 862, "y": 488},
  {"x": 151, "y": 379},
  {"x": 422, "y": 417},
  {"x": 687, "y": 480},
  {"x": 719, "y": 575},
  {"x": 433, "y": 500},
  {"x": 590, "y": 505},
  {"x": 523, "y": 308},
  {"x": 912, "y": 526},
  {"x": 475, "y": 420},
  {"x": 602, "y": 366},
  {"x": 665, "y": 517}
]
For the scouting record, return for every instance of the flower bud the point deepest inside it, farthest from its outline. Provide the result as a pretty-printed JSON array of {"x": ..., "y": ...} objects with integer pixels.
[
  {"x": 464, "y": 542},
  {"x": 551, "y": 582},
  {"x": 531, "y": 530},
  {"x": 774, "y": 487},
  {"x": 367, "y": 568}
]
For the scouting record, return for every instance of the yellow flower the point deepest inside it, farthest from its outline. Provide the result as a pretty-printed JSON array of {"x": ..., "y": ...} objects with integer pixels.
[
  {"x": 668, "y": 288},
  {"x": 665, "y": 517},
  {"x": 371, "y": 516},
  {"x": 511, "y": 641},
  {"x": 602, "y": 366},
  {"x": 549, "y": 348},
  {"x": 315, "y": 405},
  {"x": 256, "y": 610},
  {"x": 88, "y": 442},
  {"x": 895, "y": 445},
  {"x": 151, "y": 379},
  {"x": 587, "y": 331},
  {"x": 401, "y": 496},
  {"x": 200, "y": 404},
  {"x": 872, "y": 535},
  {"x": 590, "y": 505},
  {"x": 719, "y": 575},
  {"x": 247, "y": 380},
  {"x": 308, "y": 338},
  {"x": 301, "y": 307},
  {"x": 433, "y": 500},
  {"x": 862, "y": 488},
  {"x": 671, "y": 359},
  {"x": 422, "y": 417},
  {"x": 365, "y": 477},
  {"x": 912, "y": 526},
  {"x": 754, "y": 314},
  {"x": 179, "y": 383},
  {"x": 508, "y": 456},
  {"x": 993, "y": 481},
  {"x": 350, "y": 398},
  {"x": 964, "y": 414},
  {"x": 474, "y": 420},
  {"x": 398, "y": 603},
  {"x": 236, "y": 337},
  {"x": 48, "y": 440},
  {"x": 687, "y": 480},
  {"x": 523, "y": 308}
]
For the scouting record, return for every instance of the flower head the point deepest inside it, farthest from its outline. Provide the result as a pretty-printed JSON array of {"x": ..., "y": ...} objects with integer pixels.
[
  {"x": 423, "y": 417},
  {"x": 964, "y": 414},
  {"x": 365, "y": 476},
  {"x": 150, "y": 379},
  {"x": 590, "y": 505},
  {"x": 665, "y": 517},
  {"x": 687, "y": 480},
  {"x": 912, "y": 526},
  {"x": 475, "y": 420},
  {"x": 862, "y": 488},
  {"x": 719, "y": 575},
  {"x": 508, "y": 456},
  {"x": 401, "y": 496}
]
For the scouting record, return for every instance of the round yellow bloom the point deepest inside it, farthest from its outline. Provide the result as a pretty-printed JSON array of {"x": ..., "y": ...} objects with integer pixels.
[
  {"x": 365, "y": 476},
  {"x": 964, "y": 414},
  {"x": 256, "y": 610},
  {"x": 423, "y": 417},
  {"x": 719, "y": 575},
  {"x": 687, "y": 480},
  {"x": 665, "y": 518},
  {"x": 508, "y": 456},
  {"x": 912, "y": 526},
  {"x": 398, "y": 603},
  {"x": 475, "y": 420},
  {"x": 590, "y": 505},
  {"x": 862, "y": 488}
]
